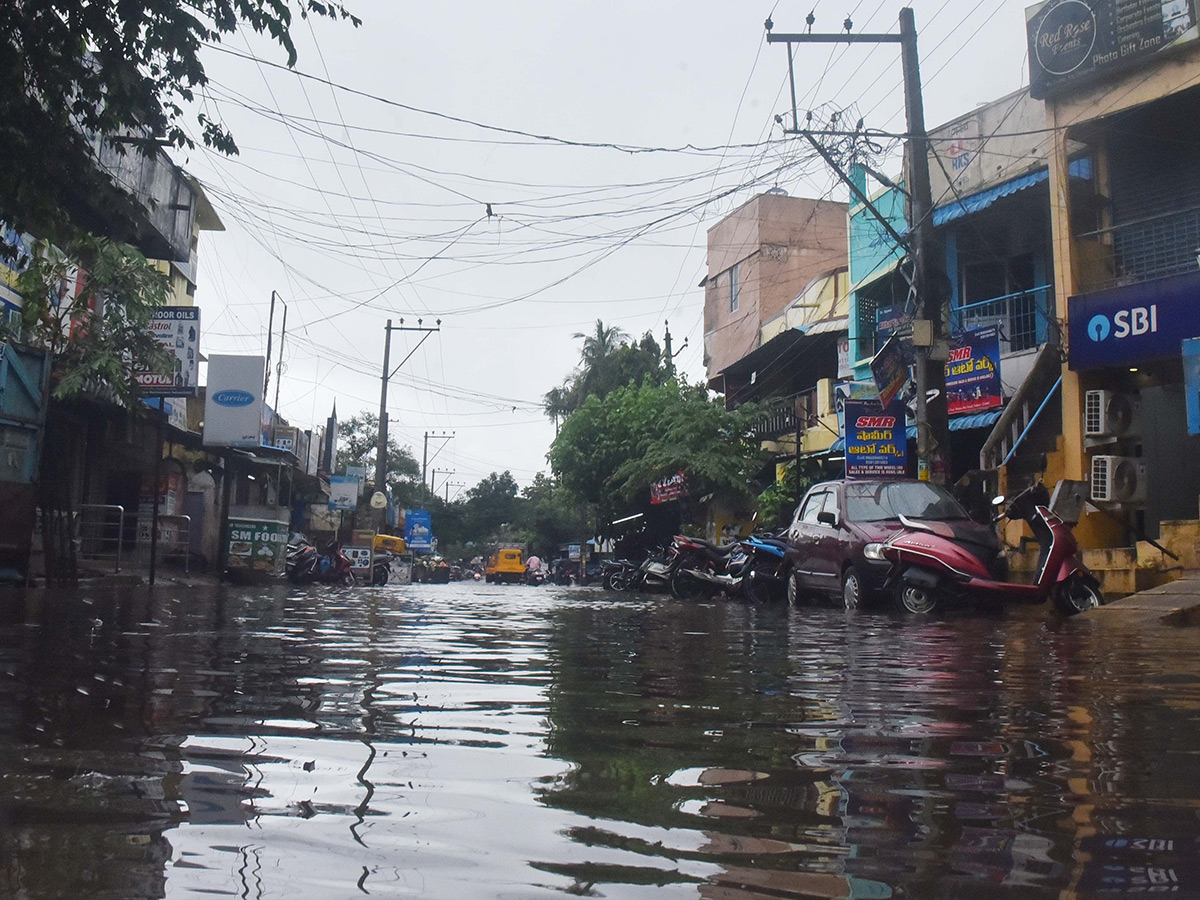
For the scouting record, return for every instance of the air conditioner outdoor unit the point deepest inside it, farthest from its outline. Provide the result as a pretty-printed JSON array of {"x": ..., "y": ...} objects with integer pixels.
[
  {"x": 1118, "y": 479},
  {"x": 1111, "y": 414}
]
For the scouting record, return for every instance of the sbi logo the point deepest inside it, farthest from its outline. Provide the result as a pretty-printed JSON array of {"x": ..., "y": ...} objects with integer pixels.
[
  {"x": 233, "y": 398},
  {"x": 1128, "y": 322}
]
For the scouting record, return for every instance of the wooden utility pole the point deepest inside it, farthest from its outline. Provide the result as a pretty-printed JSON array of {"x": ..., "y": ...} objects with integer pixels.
[{"x": 931, "y": 300}]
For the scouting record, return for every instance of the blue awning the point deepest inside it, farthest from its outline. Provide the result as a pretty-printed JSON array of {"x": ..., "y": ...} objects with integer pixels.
[
  {"x": 957, "y": 423},
  {"x": 948, "y": 212}
]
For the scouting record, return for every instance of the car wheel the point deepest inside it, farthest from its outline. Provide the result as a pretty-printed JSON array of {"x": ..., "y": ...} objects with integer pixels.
[
  {"x": 1077, "y": 594},
  {"x": 852, "y": 588},
  {"x": 795, "y": 593},
  {"x": 915, "y": 599},
  {"x": 379, "y": 576}
]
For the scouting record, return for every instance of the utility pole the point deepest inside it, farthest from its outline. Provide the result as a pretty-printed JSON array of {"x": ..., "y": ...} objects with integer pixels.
[
  {"x": 270, "y": 328},
  {"x": 425, "y": 454},
  {"x": 381, "y": 446},
  {"x": 454, "y": 484},
  {"x": 433, "y": 480},
  {"x": 931, "y": 301},
  {"x": 668, "y": 356},
  {"x": 278, "y": 374}
]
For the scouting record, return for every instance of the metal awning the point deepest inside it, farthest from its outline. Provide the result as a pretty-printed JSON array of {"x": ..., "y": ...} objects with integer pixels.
[{"x": 948, "y": 212}]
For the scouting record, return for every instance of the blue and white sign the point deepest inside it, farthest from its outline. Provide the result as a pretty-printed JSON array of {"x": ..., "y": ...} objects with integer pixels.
[
  {"x": 343, "y": 492},
  {"x": 418, "y": 530},
  {"x": 1134, "y": 324},
  {"x": 233, "y": 401},
  {"x": 876, "y": 439}
]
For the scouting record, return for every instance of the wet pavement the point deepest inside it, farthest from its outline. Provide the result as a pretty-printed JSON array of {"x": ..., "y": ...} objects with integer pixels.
[{"x": 477, "y": 741}]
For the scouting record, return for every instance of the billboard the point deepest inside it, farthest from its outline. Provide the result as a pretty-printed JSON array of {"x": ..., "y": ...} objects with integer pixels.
[
  {"x": 973, "y": 372},
  {"x": 233, "y": 401},
  {"x": 1070, "y": 40},
  {"x": 343, "y": 492},
  {"x": 177, "y": 330},
  {"x": 890, "y": 371},
  {"x": 418, "y": 530},
  {"x": 876, "y": 439},
  {"x": 670, "y": 488}
]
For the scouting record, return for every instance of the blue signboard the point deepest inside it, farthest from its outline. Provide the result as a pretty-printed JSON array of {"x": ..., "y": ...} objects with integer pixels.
[
  {"x": 973, "y": 372},
  {"x": 876, "y": 439},
  {"x": 418, "y": 530},
  {"x": 1129, "y": 325},
  {"x": 1191, "y": 381}
]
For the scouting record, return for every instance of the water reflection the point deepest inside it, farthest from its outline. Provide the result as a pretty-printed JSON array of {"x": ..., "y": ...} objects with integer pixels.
[{"x": 475, "y": 741}]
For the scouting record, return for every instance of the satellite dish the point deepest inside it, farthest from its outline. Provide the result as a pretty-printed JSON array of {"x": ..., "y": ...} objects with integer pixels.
[{"x": 378, "y": 500}]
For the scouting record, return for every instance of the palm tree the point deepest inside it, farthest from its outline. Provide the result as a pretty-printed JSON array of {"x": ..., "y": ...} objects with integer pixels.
[{"x": 597, "y": 348}]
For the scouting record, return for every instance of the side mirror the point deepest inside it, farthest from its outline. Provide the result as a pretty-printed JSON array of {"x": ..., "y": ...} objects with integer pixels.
[{"x": 827, "y": 518}]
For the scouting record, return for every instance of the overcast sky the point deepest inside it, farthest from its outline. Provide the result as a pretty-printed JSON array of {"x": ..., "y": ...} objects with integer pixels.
[{"x": 369, "y": 200}]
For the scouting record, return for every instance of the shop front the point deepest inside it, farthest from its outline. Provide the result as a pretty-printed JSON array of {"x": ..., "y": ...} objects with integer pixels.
[{"x": 1127, "y": 348}]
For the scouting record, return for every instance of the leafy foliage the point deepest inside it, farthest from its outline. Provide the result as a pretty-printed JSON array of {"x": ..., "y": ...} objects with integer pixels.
[
  {"x": 97, "y": 337},
  {"x": 358, "y": 445},
  {"x": 78, "y": 72},
  {"x": 608, "y": 361},
  {"x": 611, "y": 449}
]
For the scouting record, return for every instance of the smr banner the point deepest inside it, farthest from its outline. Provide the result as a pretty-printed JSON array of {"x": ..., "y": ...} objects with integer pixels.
[{"x": 876, "y": 440}]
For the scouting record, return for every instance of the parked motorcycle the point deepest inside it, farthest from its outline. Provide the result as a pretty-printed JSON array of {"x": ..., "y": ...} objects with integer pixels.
[
  {"x": 764, "y": 573},
  {"x": 701, "y": 567},
  {"x": 615, "y": 573},
  {"x": 929, "y": 568},
  {"x": 655, "y": 571},
  {"x": 306, "y": 565}
]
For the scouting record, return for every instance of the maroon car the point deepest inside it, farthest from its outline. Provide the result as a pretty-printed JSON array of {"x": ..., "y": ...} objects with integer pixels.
[{"x": 837, "y": 520}]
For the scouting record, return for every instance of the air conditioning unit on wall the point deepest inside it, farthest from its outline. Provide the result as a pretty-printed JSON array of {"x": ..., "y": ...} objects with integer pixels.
[
  {"x": 1118, "y": 479},
  {"x": 1111, "y": 414}
]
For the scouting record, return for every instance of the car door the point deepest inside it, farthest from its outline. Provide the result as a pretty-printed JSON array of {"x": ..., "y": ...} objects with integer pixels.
[
  {"x": 805, "y": 535},
  {"x": 834, "y": 542}
]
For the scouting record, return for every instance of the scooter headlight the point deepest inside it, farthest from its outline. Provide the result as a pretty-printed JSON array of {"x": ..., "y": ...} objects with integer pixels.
[{"x": 873, "y": 551}]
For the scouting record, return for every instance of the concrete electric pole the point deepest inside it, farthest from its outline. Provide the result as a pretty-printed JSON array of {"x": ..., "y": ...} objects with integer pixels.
[
  {"x": 931, "y": 300},
  {"x": 381, "y": 448}
]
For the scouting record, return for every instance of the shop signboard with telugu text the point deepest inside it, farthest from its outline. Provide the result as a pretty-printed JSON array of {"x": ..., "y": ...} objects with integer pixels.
[
  {"x": 1072, "y": 40},
  {"x": 670, "y": 488},
  {"x": 876, "y": 440},
  {"x": 973, "y": 372},
  {"x": 177, "y": 331}
]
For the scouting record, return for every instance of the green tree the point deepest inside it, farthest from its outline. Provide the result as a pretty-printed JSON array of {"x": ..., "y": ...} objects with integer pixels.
[
  {"x": 611, "y": 449},
  {"x": 608, "y": 361},
  {"x": 358, "y": 445},
  {"x": 98, "y": 337},
  {"x": 77, "y": 72},
  {"x": 492, "y": 508}
]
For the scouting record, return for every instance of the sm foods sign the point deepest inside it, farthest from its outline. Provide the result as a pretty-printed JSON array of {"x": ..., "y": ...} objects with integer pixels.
[
  {"x": 1133, "y": 324},
  {"x": 233, "y": 401}
]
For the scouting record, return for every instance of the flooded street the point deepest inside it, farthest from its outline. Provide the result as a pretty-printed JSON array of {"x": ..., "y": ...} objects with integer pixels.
[{"x": 477, "y": 741}]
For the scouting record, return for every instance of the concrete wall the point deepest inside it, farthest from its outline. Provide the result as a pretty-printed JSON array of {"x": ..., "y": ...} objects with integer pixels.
[{"x": 779, "y": 245}]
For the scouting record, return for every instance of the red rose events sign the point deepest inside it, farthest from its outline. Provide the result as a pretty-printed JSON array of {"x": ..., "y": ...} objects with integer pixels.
[{"x": 670, "y": 488}]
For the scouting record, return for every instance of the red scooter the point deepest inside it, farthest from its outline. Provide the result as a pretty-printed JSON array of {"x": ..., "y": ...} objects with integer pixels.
[{"x": 929, "y": 568}]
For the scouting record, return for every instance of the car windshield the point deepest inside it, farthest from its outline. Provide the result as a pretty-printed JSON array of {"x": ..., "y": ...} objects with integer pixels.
[{"x": 880, "y": 501}]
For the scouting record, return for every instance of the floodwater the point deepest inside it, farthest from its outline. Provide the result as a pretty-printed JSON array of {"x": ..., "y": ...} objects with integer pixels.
[{"x": 477, "y": 741}]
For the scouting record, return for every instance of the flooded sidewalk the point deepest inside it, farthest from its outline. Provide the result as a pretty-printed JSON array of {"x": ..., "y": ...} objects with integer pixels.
[{"x": 478, "y": 741}]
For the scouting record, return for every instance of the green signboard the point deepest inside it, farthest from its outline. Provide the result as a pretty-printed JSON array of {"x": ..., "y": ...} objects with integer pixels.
[{"x": 257, "y": 545}]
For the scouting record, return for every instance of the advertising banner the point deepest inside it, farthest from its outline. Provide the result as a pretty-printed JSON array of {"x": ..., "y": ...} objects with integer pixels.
[
  {"x": 1070, "y": 40},
  {"x": 343, "y": 492},
  {"x": 876, "y": 442},
  {"x": 890, "y": 371},
  {"x": 670, "y": 488},
  {"x": 360, "y": 559},
  {"x": 233, "y": 401},
  {"x": 359, "y": 473},
  {"x": 177, "y": 330},
  {"x": 257, "y": 545},
  {"x": 418, "y": 530},
  {"x": 973, "y": 372}
]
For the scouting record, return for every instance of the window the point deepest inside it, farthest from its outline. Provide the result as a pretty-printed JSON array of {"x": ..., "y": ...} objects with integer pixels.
[
  {"x": 881, "y": 501},
  {"x": 812, "y": 508},
  {"x": 735, "y": 287}
]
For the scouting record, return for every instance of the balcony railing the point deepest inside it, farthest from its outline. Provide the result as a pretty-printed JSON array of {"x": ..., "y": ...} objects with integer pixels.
[
  {"x": 778, "y": 419},
  {"x": 1024, "y": 317},
  {"x": 1149, "y": 248}
]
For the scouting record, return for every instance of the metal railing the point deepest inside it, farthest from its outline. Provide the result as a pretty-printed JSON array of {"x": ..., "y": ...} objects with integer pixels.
[
  {"x": 1024, "y": 317},
  {"x": 778, "y": 419},
  {"x": 100, "y": 531},
  {"x": 1148, "y": 248}
]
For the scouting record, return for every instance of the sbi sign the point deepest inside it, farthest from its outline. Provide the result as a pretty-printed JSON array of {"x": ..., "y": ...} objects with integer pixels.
[
  {"x": 1136, "y": 321},
  {"x": 1133, "y": 324}
]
